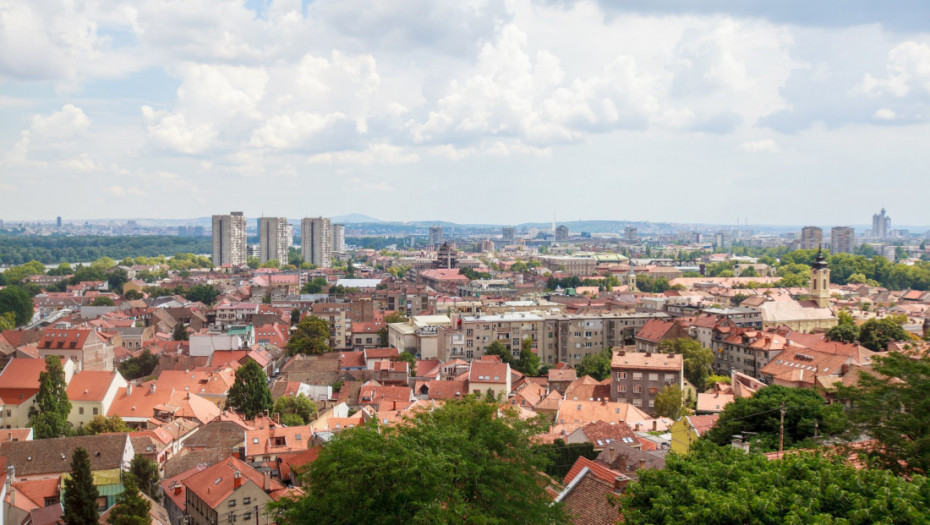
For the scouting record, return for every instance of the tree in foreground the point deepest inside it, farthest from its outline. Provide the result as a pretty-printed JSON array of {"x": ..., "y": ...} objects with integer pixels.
[
  {"x": 902, "y": 435},
  {"x": 80, "y": 500},
  {"x": 469, "y": 461},
  {"x": 311, "y": 337},
  {"x": 875, "y": 334},
  {"x": 726, "y": 485},
  {"x": 145, "y": 473},
  {"x": 49, "y": 417},
  {"x": 806, "y": 415},
  {"x": 498, "y": 349},
  {"x": 131, "y": 507},
  {"x": 249, "y": 394}
]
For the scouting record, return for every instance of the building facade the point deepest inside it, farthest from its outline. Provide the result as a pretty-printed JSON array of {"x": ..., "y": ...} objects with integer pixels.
[
  {"x": 229, "y": 239},
  {"x": 842, "y": 239},
  {"x": 316, "y": 241},
  {"x": 435, "y": 235},
  {"x": 811, "y": 238},
  {"x": 339, "y": 238},
  {"x": 638, "y": 377},
  {"x": 273, "y": 239},
  {"x": 881, "y": 225},
  {"x": 507, "y": 234}
]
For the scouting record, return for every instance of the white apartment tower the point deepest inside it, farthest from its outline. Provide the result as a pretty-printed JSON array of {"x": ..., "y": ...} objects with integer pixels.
[
  {"x": 273, "y": 239},
  {"x": 339, "y": 238},
  {"x": 229, "y": 239},
  {"x": 316, "y": 241}
]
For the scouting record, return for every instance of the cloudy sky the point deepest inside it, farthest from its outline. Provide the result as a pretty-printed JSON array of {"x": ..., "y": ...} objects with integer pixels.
[{"x": 787, "y": 112}]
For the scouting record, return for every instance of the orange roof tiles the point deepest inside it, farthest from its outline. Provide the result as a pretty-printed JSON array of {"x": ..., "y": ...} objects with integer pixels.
[
  {"x": 215, "y": 483},
  {"x": 644, "y": 360},
  {"x": 90, "y": 385}
]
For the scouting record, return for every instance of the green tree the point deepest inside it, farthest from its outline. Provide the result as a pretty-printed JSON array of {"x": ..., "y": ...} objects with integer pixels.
[
  {"x": 131, "y": 508},
  {"x": 725, "y": 485},
  {"x": 902, "y": 434},
  {"x": 595, "y": 365},
  {"x": 252, "y": 262},
  {"x": 875, "y": 334},
  {"x": 806, "y": 415},
  {"x": 300, "y": 406},
  {"x": 102, "y": 301},
  {"x": 101, "y": 424},
  {"x": 7, "y": 321},
  {"x": 132, "y": 295},
  {"x": 16, "y": 300},
  {"x": 409, "y": 358},
  {"x": 18, "y": 273},
  {"x": 249, "y": 394},
  {"x": 116, "y": 279},
  {"x": 180, "y": 333},
  {"x": 145, "y": 472},
  {"x": 311, "y": 337},
  {"x": 498, "y": 349},
  {"x": 204, "y": 293},
  {"x": 696, "y": 360},
  {"x": 141, "y": 366},
  {"x": 528, "y": 364},
  {"x": 846, "y": 330},
  {"x": 295, "y": 316},
  {"x": 80, "y": 498},
  {"x": 49, "y": 417},
  {"x": 670, "y": 402},
  {"x": 469, "y": 461},
  {"x": 270, "y": 263},
  {"x": 314, "y": 286}
]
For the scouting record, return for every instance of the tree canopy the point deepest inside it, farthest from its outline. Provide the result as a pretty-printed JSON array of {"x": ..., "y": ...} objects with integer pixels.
[
  {"x": 875, "y": 334},
  {"x": 902, "y": 434},
  {"x": 311, "y": 337},
  {"x": 49, "y": 417},
  {"x": 80, "y": 498},
  {"x": 131, "y": 508},
  {"x": 145, "y": 472},
  {"x": 696, "y": 360},
  {"x": 469, "y": 461},
  {"x": 498, "y": 349},
  {"x": 725, "y": 485},
  {"x": 806, "y": 414},
  {"x": 300, "y": 406},
  {"x": 249, "y": 394},
  {"x": 16, "y": 300},
  {"x": 139, "y": 366},
  {"x": 595, "y": 365},
  {"x": 528, "y": 363}
]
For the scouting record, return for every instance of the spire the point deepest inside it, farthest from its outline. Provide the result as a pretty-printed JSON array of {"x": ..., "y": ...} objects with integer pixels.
[{"x": 820, "y": 262}]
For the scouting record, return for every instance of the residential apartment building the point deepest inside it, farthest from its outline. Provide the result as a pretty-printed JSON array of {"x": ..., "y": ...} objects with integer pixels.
[
  {"x": 881, "y": 225},
  {"x": 638, "y": 377},
  {"x": 561, "y": 234},
  {"x": 229, "y": 239},
  {"x": 339, "y": 238},
  {"x": 557, "y": 338},
  {"x": 842, "y": 239},
  {"x": 811, "y": 238},
  {"x": 228, "y": 492},
  {"x": 316, "y": 241},
  {"x": 89, "y": 349},
  {"x": 571, "y": 265},
  {"x": 507, "y": 234},
  {"x": 435, "y": 235},
  {"x": 273, "y": 239}
]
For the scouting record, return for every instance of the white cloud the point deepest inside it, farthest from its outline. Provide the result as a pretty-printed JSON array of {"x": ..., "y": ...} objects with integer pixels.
[
  {"x": 759, "y": 146},
  {"x": 885, "y": 114},
  {"x": 66, "y": 123}
]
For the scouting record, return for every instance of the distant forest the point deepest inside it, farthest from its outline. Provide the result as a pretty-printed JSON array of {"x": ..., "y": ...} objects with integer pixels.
[{"x": 15, "y": 250}]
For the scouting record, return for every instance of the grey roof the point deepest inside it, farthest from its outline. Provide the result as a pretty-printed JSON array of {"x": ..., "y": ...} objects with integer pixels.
[{"x": 53, "y": 456}]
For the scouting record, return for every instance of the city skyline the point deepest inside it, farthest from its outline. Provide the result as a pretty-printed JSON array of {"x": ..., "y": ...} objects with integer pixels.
[{"x": 416, "y": 112}]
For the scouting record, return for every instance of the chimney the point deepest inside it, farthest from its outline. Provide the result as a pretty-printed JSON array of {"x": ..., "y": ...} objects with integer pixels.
[
  {"x": 277, "y": 417},
  {"x": 621, "y": 463},
  {"x": 266, "y": 480},
  {"x": 129, "y": 389},
  {"x": 653, "y": 425},
  {"x": 637, "y": 427},
  {"x": 610, "y": 454},
  {"x": 152, "y": 388},
  {"x": 177, "y": 487},
  {"x": 237, "y": 479},
  {"x": 642, "y": 464}
]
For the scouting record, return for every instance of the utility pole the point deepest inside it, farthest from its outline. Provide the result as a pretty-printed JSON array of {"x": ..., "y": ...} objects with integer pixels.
[{"x": 781, "y": 432}]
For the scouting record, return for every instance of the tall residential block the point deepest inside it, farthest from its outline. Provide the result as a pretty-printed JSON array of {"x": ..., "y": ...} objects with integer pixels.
[
  {"x": 811, "y": 238},
  {"x": 435, "y": 235},
  {"x": 316, "y": 241},
  {"x": 507, "y": 234},
  {"x": 229, "y": 239},
  {"x": 842, "y": 239},
  {"x": 561, "y": 234},
  {"x": 881, "y": 225},
  {"x": 273, "y": 239},
  {"x": 339, "y": 238},
  {"x": 630, "y": 235}
]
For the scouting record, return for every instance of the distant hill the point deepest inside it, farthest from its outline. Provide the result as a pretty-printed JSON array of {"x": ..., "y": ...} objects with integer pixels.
[{"x": 355, "y": 218}]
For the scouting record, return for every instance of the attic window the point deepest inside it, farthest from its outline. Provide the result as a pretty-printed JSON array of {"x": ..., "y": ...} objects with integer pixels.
[
  {"x": 255, "y": 441},
  {"x": 218, "y": 480},
  {"x": 298, "y": 436}
]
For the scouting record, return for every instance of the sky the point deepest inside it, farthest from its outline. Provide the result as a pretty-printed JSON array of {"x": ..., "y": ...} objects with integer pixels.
[{"x": 472, "y": 111}]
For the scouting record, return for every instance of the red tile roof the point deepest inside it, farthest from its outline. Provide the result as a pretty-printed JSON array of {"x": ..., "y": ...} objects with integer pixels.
[{"x": 214, "y": 484}]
